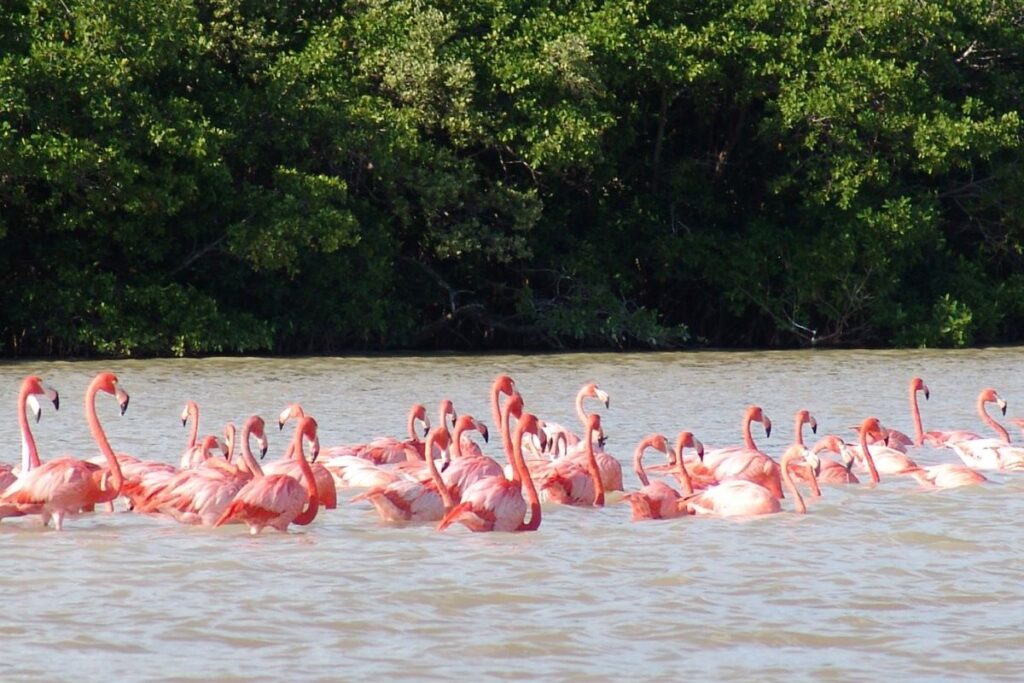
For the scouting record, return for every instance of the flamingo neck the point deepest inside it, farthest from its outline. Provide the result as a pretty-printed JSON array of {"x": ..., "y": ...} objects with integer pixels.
[
  {"x": 867, "y": 457},
  {"x": 799, "y": 431},
  {"x": 519, "y": 465},
  {"x": 595, "y": 471},
  {"x": 915, "y": 412},
  {"x": 413, "y": 436},
  {"x": 435, "y": 476},
  {"x": 748, "y": 440},
  {"x": 793, "y": 453},
  {"x": 684, "y": 475},
  {"x": 193, "y": 433},
  {"x": 249, "y": 461},
  {"x": 456, "y": 444},
  {"x": 638, "y": 463},
  {"x": 990, "y": 421},
  {"x": 309, "y": 514},
  {"x": 510, "y": 447},
  {"x": 117, "y": 479},
  {"x": 580, "y": 412},
  {"x": 29, "y": 454}
]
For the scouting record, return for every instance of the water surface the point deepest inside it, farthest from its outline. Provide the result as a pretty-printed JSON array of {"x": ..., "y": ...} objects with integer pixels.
[{"x": 871, "y": 584}]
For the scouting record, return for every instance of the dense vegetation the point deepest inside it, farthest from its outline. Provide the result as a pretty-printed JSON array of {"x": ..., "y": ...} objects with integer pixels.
[{"x": 226, "y": 176}]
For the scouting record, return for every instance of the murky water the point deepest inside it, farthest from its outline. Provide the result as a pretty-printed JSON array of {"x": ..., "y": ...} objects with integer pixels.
[{"x": 871, "y": 584}]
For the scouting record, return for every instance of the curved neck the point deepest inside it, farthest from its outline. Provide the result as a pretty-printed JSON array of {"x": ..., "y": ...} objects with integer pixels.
[
  {"x": 101, "y": 440},
  {"x": 435, "y": 476},
  {"x": 748, "y": 440},
  {"x": 915, "y": 412},
  {"x": 595, "y": 471},
  {"x": 793, "y": 453},
  {"x": 413, "y": 436},
  {"x": 229, "y": 437},
  {"x": 580, "y": 413},
  {"x": 799, "y": 430},
  {"x": 998, "y": 428},
  {"x": 506, "y": 430},
  {"x": 193, "y": 433},
  {"x": 519, "y": 465},
  {"x": 684, "y": 476},
  {"x": 638, "y": 463},
  {"x": 309, "y": 514},
  {"x": 867, "y": 457},
  {"x": 249, "y": 462},
  {"x": 29, "y": 454},
  {"x": 456, "y": 444}
]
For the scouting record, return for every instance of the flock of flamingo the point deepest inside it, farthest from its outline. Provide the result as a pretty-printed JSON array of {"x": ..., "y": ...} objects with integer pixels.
[{"x": 447, "y": 479}]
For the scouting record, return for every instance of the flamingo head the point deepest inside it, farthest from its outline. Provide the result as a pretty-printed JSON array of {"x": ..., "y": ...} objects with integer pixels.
[
  {"x": 503, "y": 384},
  {"x": 419, "y": 413},
  {"x": 872, "y": 428},
  {"x": 294, "y": 410},
  {"x": 917, "y": 384},
  {"x": 594, "y": 427},
  {"x": 446, "y": 410},
  {"x": 34, "y": 386},
  {"x": 528, "y": 424},
  {"x": 258, "y": 429},
  {"x": 656, "y": 441},
  {"x": 107, "y": 383},
  {"x": 514, "y": 405},
  {"x": 209, "y": 442},
  {"x": 307, "y": 427},
  {"x": 804, "y": 417},
  {"x": 688, "y": 440},
  {"x": 191, "y": 410},
  {"x": 591, "y": 390},
  {"x": 990, "y": 396}
]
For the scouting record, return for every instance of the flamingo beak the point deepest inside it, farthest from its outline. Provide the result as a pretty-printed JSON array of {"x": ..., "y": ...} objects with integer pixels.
[
  {"x": 700, "y": 449},
  {"x": 316, "y": 449},
  {"x": 1002, "y": 405},
  {"x": 926, "y": 394},
  {"x": 814, "y": 426},
  {"x": 122, "y": 398},
  {"x": 263, "y": 444},
  {"x": 482, "y": 428},
  {"x": 52, "y": 394},
  {"x": 184, "y": 421},
  {"x": 604, "y": 398},
  {"x": 767, "y": 427}
]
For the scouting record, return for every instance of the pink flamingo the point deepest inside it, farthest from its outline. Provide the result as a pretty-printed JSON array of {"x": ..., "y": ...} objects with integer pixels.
[
  {"x": 989, "y": 454},
  {"x": 405, "y": 500},
  {"x": 66, "y": 486},
  {"x": 572, "y": 483},
  {"x": 496, "y": 503},
  {"x": 747, "y": 462},
  {"x": 327, "y": 491},
  {"x": 986, "y": 396},
  {"x": 277, "y": 500},
  {"x": 199, "y": 495},
  {"x": 658, "y": 500},
  {"x": 589, "y": 390},
  {"x": 468, "y": 468},
  {"x": 740, "y": 497},
  {"x": 192, "y": 456},
  {"x": 799, "y": 471},
  {"x": 833, "y": 472},
  {"x": 31, "y": 387},
  {"x": 948, "y": 476}
]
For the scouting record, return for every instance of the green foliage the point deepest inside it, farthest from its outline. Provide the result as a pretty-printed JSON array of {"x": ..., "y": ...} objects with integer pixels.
[{"x": 229, "y": 176}]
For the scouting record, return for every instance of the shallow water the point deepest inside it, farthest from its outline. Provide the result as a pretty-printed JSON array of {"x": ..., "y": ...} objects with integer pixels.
[{"x": 871, "y": 584}]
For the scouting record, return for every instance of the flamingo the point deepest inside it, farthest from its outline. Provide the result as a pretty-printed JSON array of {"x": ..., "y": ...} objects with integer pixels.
[
  {"x": 327, "y": 491},
  {"x": 658, "y": 500},
  {"x": 31, "y": 387},
  {"x": 192, "y": 456},
  {"x": 804, "y": 417},
  {"x": 989, "y": 454},
  {"x": 589, "y": 390},
  {"x": 199, "y": 495},
  {"x": 738, "y": 497},
  {"x": 466, "y": 468},
  {"x": 66, "y": 486},
  {"x": 833, "y": 472},
  {"x": 496, "y": 503},
  {"x": 947, "y": 438},
  {"x": 571, "y": 483},
  {"x": 747, "y": 462},
  {"x": 277, "y": 500},
  {"x": 405, "y": 500}
]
